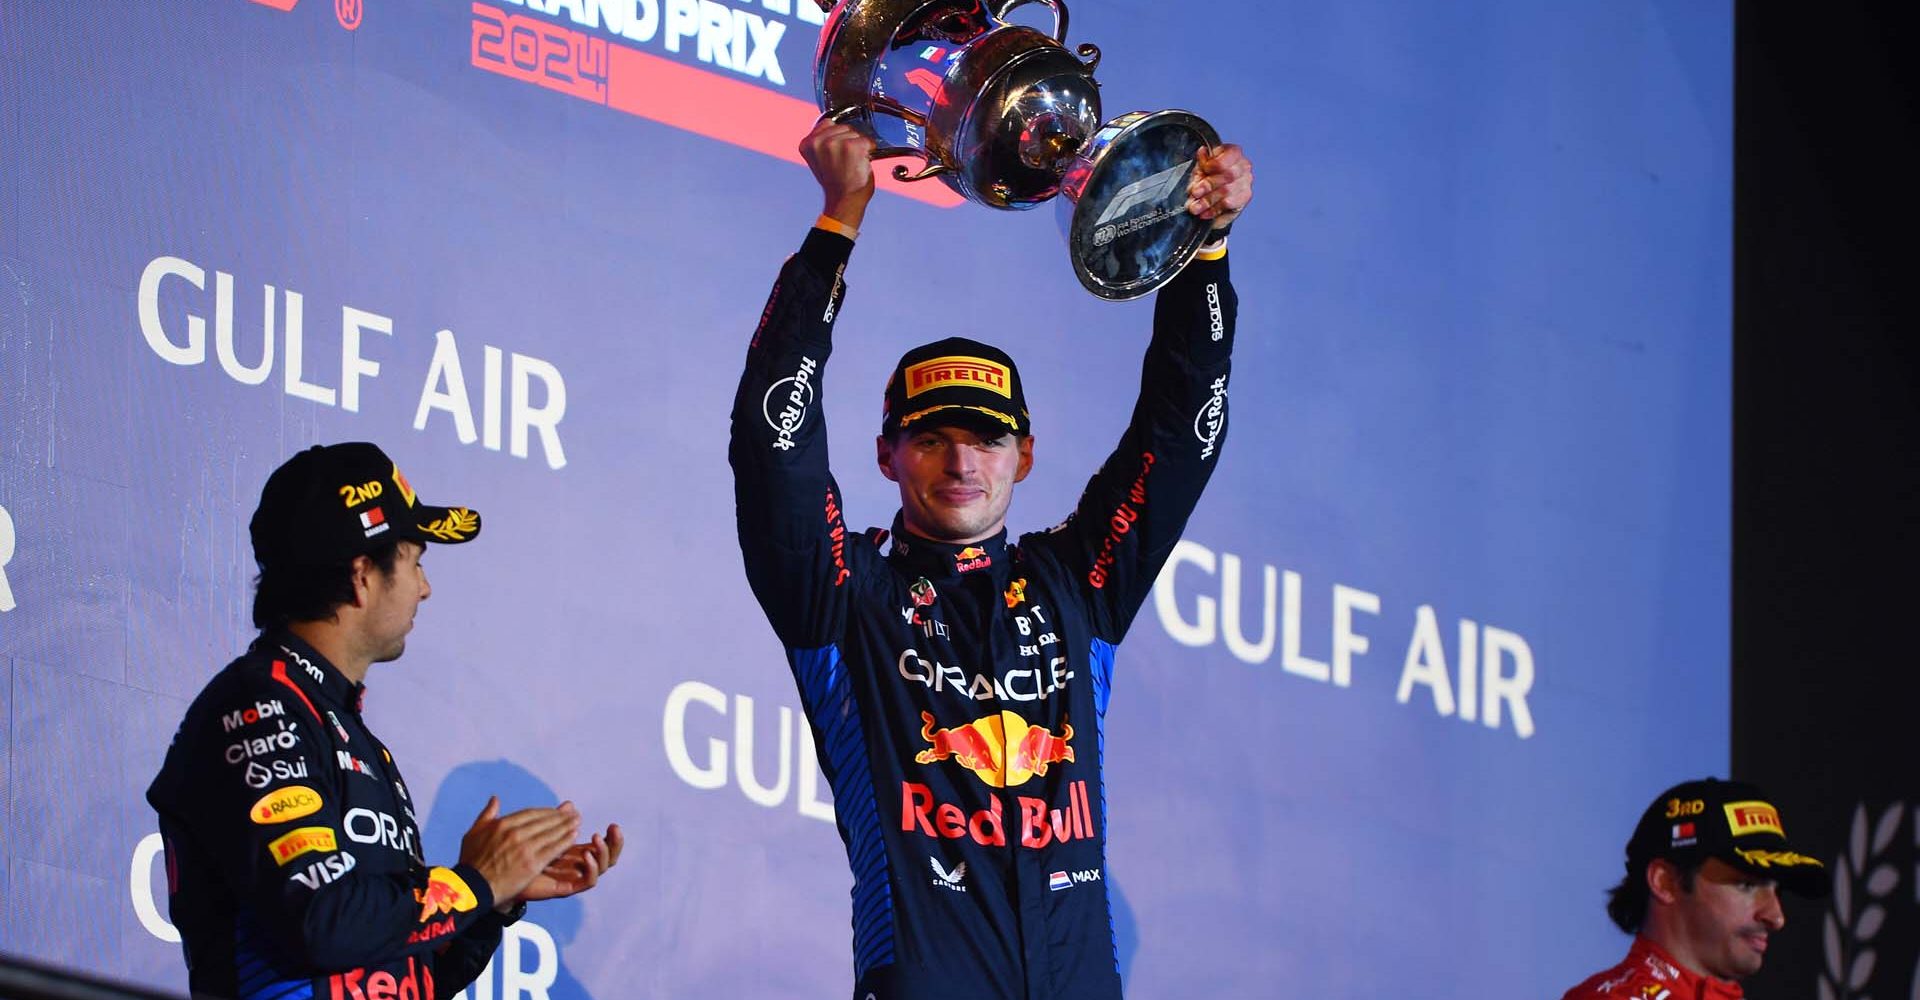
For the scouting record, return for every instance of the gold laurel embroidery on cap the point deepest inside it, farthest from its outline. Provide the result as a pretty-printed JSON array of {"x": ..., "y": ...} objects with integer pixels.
[
  {"x": 458, "y": 526},
  {"x": 1767, "y": 859},
  {"x": 996, "y": 414}
]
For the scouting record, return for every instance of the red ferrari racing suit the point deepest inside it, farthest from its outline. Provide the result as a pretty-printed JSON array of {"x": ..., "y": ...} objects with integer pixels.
[{"x": 1649, "y": 973}]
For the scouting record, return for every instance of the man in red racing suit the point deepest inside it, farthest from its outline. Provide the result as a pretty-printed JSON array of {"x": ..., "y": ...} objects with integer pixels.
[
  {"x": 957, "y": 684},
  {"x": 1701, "y": 895}
]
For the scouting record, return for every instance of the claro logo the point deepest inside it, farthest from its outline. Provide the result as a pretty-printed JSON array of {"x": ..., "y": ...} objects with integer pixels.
[{"x": 263, "y": 746}]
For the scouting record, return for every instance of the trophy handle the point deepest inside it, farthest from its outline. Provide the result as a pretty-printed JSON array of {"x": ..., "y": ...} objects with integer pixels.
[
  {"x": 1003, "y": 7},
  {"x": 905, "y": 174},
  {"x": 1089, "y": 53},
  {"x": 847, "y": 116}
]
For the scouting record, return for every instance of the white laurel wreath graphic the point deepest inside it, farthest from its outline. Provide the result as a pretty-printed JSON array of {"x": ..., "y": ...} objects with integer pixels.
[{"x": 1861, "y": 873}]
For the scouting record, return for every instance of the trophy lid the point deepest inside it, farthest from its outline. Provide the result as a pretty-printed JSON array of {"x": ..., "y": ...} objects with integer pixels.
[{"x": 1125, "y": 215}]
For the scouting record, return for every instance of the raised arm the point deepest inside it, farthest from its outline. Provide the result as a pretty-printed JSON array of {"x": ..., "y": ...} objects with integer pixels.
[
  {"x": 1135, "y": 508},
  {"x": 793, "y": 536}
]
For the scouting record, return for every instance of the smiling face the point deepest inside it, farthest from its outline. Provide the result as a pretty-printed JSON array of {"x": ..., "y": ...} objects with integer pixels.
[
  {"x": 956, "y": 482},
  {"x": 1719, "y": 926}
]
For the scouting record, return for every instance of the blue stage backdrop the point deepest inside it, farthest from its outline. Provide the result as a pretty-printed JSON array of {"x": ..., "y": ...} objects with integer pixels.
[{"x": 1455, "y": 605}]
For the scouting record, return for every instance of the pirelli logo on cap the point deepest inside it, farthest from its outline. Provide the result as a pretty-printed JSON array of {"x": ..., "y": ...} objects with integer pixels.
[
  {"x": 941, "y": 373},
  {"x": 1768, "y": 859},
  {"x": 1744, "y": 818}
]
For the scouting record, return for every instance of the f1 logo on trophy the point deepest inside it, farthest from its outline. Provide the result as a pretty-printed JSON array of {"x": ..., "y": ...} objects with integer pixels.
[{"x": 1007, "y": 117}]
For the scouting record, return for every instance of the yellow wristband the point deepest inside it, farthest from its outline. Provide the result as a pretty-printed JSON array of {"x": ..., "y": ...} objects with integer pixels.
[
  {"x": 833, "y": 225},
  {"x": 1214, "y": 252}
]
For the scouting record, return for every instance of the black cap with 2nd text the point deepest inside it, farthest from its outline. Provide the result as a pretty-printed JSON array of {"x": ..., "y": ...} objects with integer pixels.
[{"x": 330, "y": 503}]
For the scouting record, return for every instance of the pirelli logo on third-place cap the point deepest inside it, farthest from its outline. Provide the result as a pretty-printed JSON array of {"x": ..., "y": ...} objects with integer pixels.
[
  {"x": 1745, "y": 818},
  {"x": 939, "y": 373},
  {"x": 302, "y": 841}
]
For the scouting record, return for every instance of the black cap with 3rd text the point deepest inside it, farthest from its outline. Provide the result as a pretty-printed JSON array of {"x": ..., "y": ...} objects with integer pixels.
[
  {"x": 1735, "y": 822},
  {"x": 330, "y": 503},
  {"x": 955, "y": 381}
]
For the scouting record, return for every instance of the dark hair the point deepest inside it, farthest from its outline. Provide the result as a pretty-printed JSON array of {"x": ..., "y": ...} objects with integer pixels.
[
  {"x": 286, "y": 594},
  {"x": 1627, "y": 902}
]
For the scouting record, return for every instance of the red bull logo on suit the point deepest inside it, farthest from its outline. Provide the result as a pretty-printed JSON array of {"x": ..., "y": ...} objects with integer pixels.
[{"x": 1002, "y": 750}]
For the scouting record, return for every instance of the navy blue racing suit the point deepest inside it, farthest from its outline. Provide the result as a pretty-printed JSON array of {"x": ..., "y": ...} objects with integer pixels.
[
  {"x": 957, "y": 694},
  {"x": 293, "y": 856}
]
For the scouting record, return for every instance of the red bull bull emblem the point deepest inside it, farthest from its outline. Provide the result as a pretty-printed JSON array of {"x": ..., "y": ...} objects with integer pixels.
[
  {"x": 971, "y": 558},
  {"x": 1002, "y": 750},
  {"x": 446, "y": 892}
]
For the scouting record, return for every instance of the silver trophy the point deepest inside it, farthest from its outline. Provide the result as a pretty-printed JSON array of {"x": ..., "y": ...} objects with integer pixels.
[{"x": 1008, "y": 117}]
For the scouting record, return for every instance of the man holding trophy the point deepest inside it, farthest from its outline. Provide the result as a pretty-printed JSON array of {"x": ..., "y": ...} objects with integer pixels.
[{"x": 957, "y": 683}]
